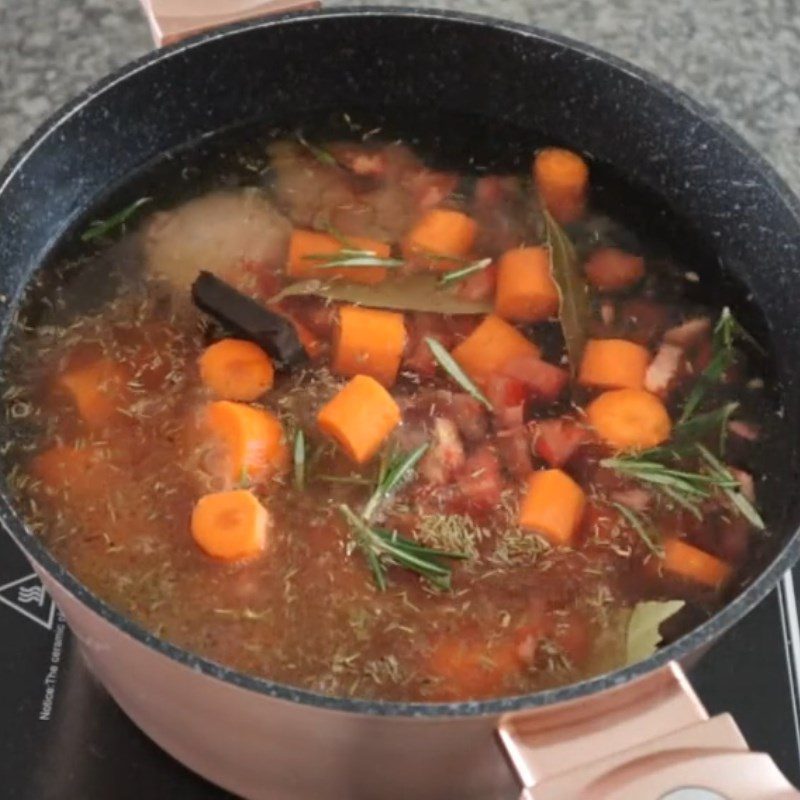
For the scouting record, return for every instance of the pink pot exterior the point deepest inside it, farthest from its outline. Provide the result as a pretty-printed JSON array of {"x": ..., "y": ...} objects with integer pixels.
[{"x": 262, "y": 747}]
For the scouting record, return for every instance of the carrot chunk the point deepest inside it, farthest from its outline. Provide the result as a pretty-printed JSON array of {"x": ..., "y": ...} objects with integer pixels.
[
  {"x": 490, "y": 347},
  {"x": 235, "y": 369},
  {"x": 553, "y": 506},
  {"x": 688, "y": 561},
  {"x": 78, "y": 471},
  {"x": 526, "y": 291},
  {"x": 369, "y": 342},
  {"x": 230, "y": 526},
  {"x": 98, "y": 389},
  {"x": 305, "y": 246},
  {"x": 610, "y": 269},
  {"x": 360, "y": 417},
  {"x": 252, "y": 440},
  {"x": 629, "y": 419},
  {"x": 440, "y": 232},
  {"x": 561, "y": 178},
  {"x": 613, "y": 364}
]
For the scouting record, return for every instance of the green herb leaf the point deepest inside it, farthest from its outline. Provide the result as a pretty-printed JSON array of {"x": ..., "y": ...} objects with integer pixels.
[
  {"x": 349, "y": 257},
  {"x": 102, "y": 227},
  {"x": 464, "y": 272},
  {"x": 643, "y": 636},
  {"x": 418, "y": 292},
  {"x": 645, "y": 531},
  {"x": 382, "y": 547},
  {"x": 703, "y": 426},
  {"x": 322, "y": 155},
  {"x": 393, "y": 473},
  {"x": 727, "y": 332},
  {"x": 449, "y": 365},
  {"x": 730, "y": 486},
  {"x": 574, "y": 309},
  {"x": 300, "y": 459}
]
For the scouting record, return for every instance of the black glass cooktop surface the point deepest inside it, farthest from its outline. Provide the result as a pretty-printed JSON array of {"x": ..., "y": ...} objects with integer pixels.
[{"x": 61, "y": 736}]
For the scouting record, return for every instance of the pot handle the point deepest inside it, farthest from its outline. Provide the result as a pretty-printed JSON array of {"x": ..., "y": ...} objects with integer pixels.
[
  {"x": 172, "y": 20},
  {"x": 651, "y": 740}
]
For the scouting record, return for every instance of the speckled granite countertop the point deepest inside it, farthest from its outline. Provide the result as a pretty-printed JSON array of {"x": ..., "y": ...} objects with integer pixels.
[{"x": 740, "y": 57}]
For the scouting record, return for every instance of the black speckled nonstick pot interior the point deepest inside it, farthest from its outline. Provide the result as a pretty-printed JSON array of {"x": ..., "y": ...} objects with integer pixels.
[{"x": 303, "y": 64}]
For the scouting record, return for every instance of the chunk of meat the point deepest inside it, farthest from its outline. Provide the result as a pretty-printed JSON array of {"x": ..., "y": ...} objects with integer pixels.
[
  {"x": 557, "y": 440},
  {"x": 746, "y": 483},
  {"x": 664, "y": 370},
  {"x": 514, "y": 446},
  {"x": 480, "y": 482},
  {"x": 690, "y": 333},
  {"x": 445, "y": 454},
  {"x": 219, "y": 232},
  {"x": 501, "y": 210},
  {"x": 635, "y": 498},
  {"x": 479, "y": 286},
  {"x": 469, "y": 416},
  {"x": 744, "y": 430}
]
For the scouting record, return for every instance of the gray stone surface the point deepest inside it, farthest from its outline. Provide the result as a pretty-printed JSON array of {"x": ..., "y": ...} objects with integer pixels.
[{"x": 739, "y": 57}]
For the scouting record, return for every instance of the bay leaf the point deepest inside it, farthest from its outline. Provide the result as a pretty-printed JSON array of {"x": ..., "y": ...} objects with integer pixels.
[
  {"x": 643, "y": 636},
  {"x": 574, "y": 309},
  {"x": 404, "y": 293}
]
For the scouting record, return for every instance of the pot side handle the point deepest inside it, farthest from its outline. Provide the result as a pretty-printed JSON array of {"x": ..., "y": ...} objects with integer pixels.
[
  {"x": 644, "y": 740},
  {"x": 172, "y": 20}
]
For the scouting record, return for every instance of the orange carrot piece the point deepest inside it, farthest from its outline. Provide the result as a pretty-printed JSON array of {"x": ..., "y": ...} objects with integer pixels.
[
  {"x": 610, "y": 269},
  {"x": 629, "y": 419},
  {"x": 360, "y": 417},
  {"x": 613, "y": 364},
  {"x": 252, "y": 440},
  {"x": 688, "y": 561},
  {"x": 553, "y": 506},
  {"x": 526, "y": 291},
  {"x": 472, "y": 668},
  {"x": 235, "y": 369},
  {"x": 76, "y": 470},
  {"x": 98, "y": 389},
  {"x": 440, "y": 232},
  {"x": 561, "y": 178},
  {"x": 490, "y": 347},
  {"x": 230, "y": 526},
  {"x": 369, "y": 342},
  {"x": 303, "y": 244}
]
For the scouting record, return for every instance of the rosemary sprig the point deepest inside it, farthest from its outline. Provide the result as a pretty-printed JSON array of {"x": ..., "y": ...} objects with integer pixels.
[
  {"x": 727, "y": 332},
  {"x": 351, "y": 257},
  {"x": 102, "y": 227},
  {"x": 464, "y": 272},
  {"x": 320, "y": 153},
  {"x": 448, "y": 364},
  {"x": 642, "y": 528},
  {"x": 700, "y": 426},
  {"x": 382, "y": 547},
  {"x": 393, "y": 472},
  {"x": 731, "y": 487},
  {"x": 299, "y": 459}
]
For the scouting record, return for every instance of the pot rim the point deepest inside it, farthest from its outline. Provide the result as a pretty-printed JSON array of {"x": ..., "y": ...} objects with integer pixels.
[{"x": 709, "y": 630}]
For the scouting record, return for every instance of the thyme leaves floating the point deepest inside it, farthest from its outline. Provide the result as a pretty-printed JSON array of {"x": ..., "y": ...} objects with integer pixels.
[
  {"x": 449, "y": 365},
  {"x": 643, "y": 528},
  {"x": 103, "y": 227}
]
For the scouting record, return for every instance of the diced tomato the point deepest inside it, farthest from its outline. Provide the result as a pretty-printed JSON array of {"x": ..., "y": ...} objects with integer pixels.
[
  {"x": 503, "y": 391},
  {"x": 480, "y": 285},
  {"x": 557, "y": 440},
  {"x": 514, "y": 446},
  {"x": 479, "y": 480},
  {"x": 545, "y": 381}
]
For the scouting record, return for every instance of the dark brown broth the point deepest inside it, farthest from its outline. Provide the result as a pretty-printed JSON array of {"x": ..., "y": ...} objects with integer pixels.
[{"x": 308, "y": 612}]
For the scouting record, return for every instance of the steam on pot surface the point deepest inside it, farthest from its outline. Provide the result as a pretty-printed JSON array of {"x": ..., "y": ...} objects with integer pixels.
[{"x": 429, "y": 416}]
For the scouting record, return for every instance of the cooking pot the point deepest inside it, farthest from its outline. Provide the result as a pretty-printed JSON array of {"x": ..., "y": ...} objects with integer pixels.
[{"x": 639, "y": 732}]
